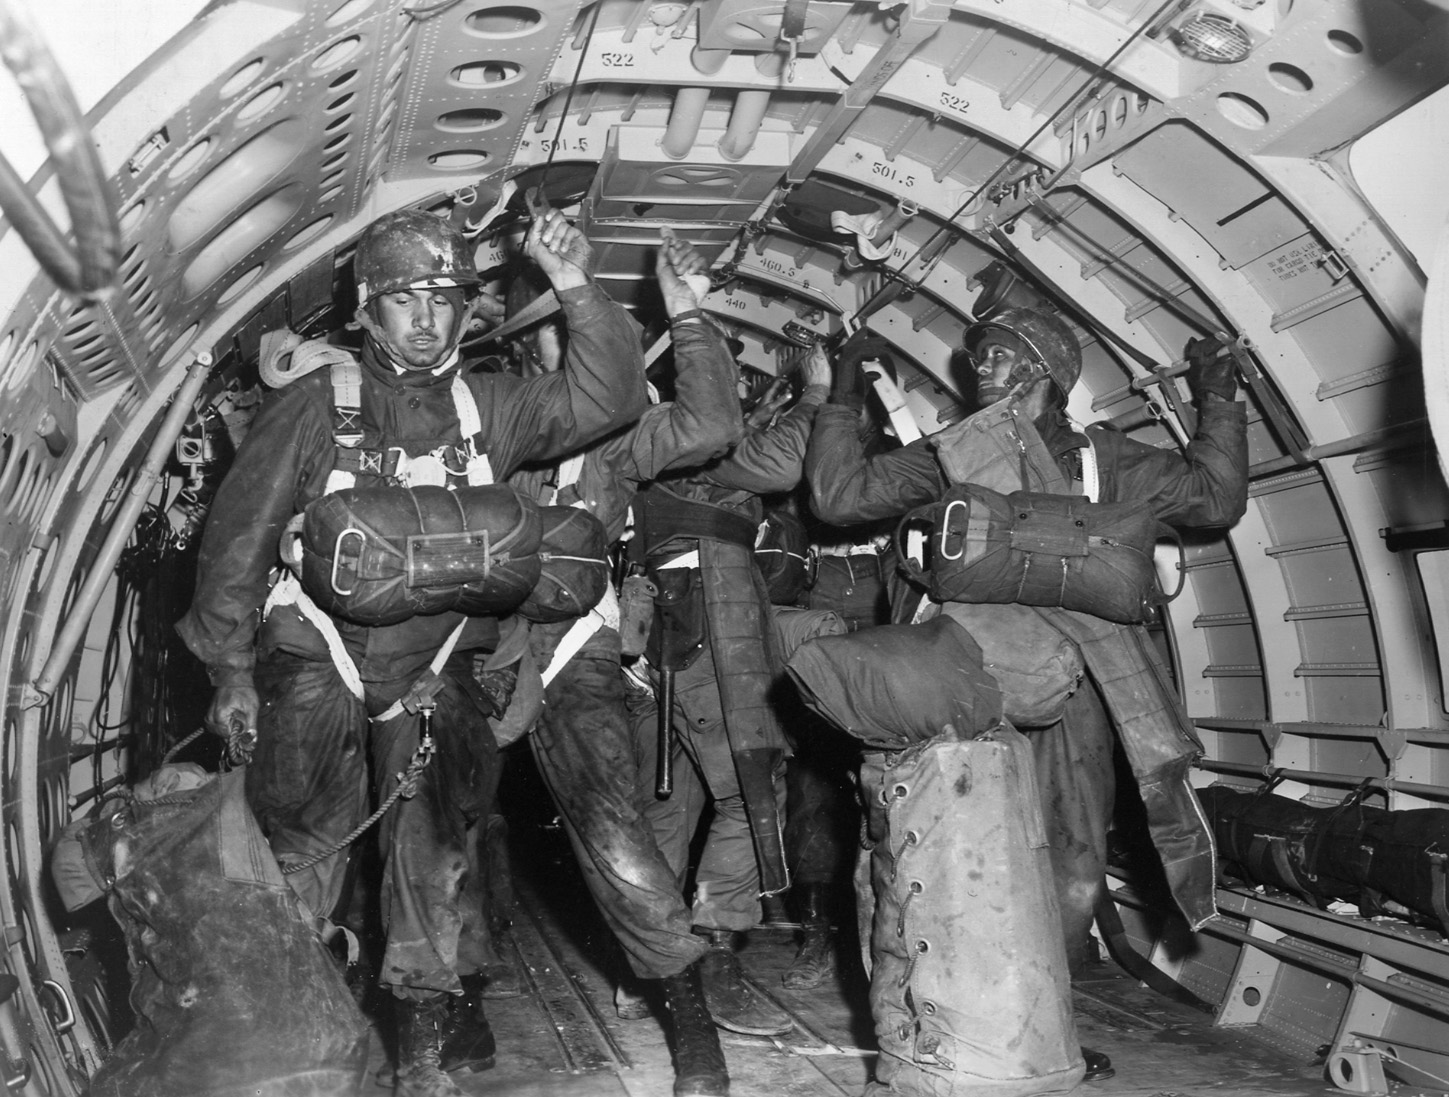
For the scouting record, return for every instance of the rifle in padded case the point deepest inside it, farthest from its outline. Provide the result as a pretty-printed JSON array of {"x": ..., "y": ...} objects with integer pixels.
[{"x": 1388, "y": 862}]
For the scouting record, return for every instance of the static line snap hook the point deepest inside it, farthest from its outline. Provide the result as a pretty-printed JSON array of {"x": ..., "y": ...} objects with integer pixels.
[{"x": 792, "y": 44}]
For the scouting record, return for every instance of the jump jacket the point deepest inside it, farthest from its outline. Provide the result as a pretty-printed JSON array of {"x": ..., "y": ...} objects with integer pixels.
[{"x": 285, "y": 460}]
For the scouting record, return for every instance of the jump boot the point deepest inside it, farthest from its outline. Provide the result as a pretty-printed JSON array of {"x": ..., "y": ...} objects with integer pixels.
[
  {"x": 468, "y": 1042},
  {"x": 731, "y": 1002},
  {"x": 420, "y": 1032},
  {"x": 699, "y": 1064},
  {"x": 815, "y": 962}
]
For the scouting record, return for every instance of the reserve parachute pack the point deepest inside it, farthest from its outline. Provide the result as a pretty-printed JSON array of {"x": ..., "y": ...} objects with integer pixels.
[
  {"x": 446, "y": 538},
  {"x": 1038, "y": 549},
  {"x": 378, "y": 556}
]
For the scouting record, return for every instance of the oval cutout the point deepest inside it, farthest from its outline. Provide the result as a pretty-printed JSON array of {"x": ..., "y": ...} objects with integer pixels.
[
  {"x": 340, "y": 102},
  {"x": 478, "y": 74},
  {"x": 458, "y": 160},
  {"x": 302, "y": 235},
  {"x": 470, "y": 120},
  {"x": 180, "y": 343},
  {"x": 20, "y": 372},
  {"x": 504, "y": 21},
  {"x": 190, "y": 160},
  {"x": 337, "y": 53},
  {"x": 1289, "y": 78},
  {"x": 262, "y": 102},
  {"x": 234, "y": 181},
  {"x": 238, "y": 287},
  {"x": 337, "y": 123},
  {"x": 242, "y": 234},
  {"x": 129, "y": 219},
  {"x": 1340, "y": 41},
  {"x": 1242, "y": 111},
  {"x": 93, "y": 462},
  {"x": 241, "y": 78},
  {"x": 21, "y": 470},
  {"x": 328, "y": 196},
  {"x": 340, "y": 82}
]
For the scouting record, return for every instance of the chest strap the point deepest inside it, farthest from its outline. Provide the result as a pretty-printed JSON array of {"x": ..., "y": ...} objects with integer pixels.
[{"x": 465, "y": 463}]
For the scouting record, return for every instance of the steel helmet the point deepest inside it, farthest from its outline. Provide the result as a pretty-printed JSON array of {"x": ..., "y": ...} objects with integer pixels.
[
  {"x": 1046, "y": 335},
  {"x": 411, "y": 249}
]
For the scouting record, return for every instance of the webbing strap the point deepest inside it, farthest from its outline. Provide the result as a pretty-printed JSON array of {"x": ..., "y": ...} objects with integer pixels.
[
  {"x": 288, "y": 592},
  {"x": 605, "y": 614},
  {"x": 667, "y": 516},
  {"x": 397, "y": 708},
  {"x": 540, "y": 308},
  {"x": 1091, "y": 471},
  {"x": 569, "y": 471},
  {"x": 894, "y": 401},
  {"x": 351, "y": 458}
]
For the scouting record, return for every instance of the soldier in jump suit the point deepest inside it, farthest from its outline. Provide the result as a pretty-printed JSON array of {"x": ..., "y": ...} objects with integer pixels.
[
  {"x": 1031, "y": 356},
  {"x": 275, "y": 672},
  {"x": 714, "y": 639},
  {"x": 582, "y": 743}
]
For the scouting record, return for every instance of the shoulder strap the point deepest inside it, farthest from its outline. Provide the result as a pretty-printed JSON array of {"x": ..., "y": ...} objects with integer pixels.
[
  {"x": 569, "y": 471},
  {"x": 346, "y": 418},
  {"x": 1091, "y": 470},
  {"x": 480, "y": 472}
]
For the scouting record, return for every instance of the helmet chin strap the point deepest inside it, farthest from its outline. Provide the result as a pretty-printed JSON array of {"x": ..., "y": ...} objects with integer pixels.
[{"x": 363, "y": 319}]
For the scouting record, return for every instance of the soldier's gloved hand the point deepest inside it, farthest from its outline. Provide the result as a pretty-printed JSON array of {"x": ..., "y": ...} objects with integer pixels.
[{"x": 1211, "y": 370}]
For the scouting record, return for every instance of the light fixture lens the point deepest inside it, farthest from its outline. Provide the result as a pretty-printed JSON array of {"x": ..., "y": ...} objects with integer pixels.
[{"x": 1208, "y": 36}]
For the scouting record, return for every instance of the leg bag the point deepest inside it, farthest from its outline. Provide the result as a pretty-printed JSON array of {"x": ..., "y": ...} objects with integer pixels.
[{"x": 969, "y": 988}]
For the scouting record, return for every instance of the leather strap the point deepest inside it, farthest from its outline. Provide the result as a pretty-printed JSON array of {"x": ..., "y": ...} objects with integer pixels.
[{"x": 665, "y": 516}]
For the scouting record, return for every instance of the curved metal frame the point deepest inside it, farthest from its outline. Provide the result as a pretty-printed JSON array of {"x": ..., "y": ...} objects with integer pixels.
[{"x": 90, "y": 264}]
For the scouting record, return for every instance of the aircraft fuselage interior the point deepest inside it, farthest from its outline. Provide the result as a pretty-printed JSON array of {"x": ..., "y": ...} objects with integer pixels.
[{"x": 181, "y": 179}]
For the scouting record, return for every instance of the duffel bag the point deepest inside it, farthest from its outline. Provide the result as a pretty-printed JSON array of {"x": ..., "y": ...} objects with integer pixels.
[
  {"x": 898, "y": 684},
  {"x": 1037, "y": 667},
  {"x": 1281, "y": 843},
  {"x": 1408, "y": 864},
  {"x": 573, "y": 566},
  {"x": 377, "y": 556},
  {"x": 1038, "y": 549}
]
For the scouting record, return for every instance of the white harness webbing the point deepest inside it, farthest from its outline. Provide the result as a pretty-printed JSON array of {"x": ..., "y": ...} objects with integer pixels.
[
  {"x": 894, "y": 401},
  {"x": 436, "y": 666},
  {"x": 606, "y": 613},
  {"x": 288, "y": 592},
  {"x": 1091, "y": 471},
  {"x": 427, "y": 469}
]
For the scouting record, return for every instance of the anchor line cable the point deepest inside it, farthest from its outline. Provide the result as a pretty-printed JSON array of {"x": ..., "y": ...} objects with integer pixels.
[
  {"x": 569, "y": 98},
  {"x": 1017, "y": 156}
]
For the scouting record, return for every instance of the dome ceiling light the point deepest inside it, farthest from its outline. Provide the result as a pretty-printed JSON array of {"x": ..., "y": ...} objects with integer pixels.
[{"x": 1222, "y": 32}]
